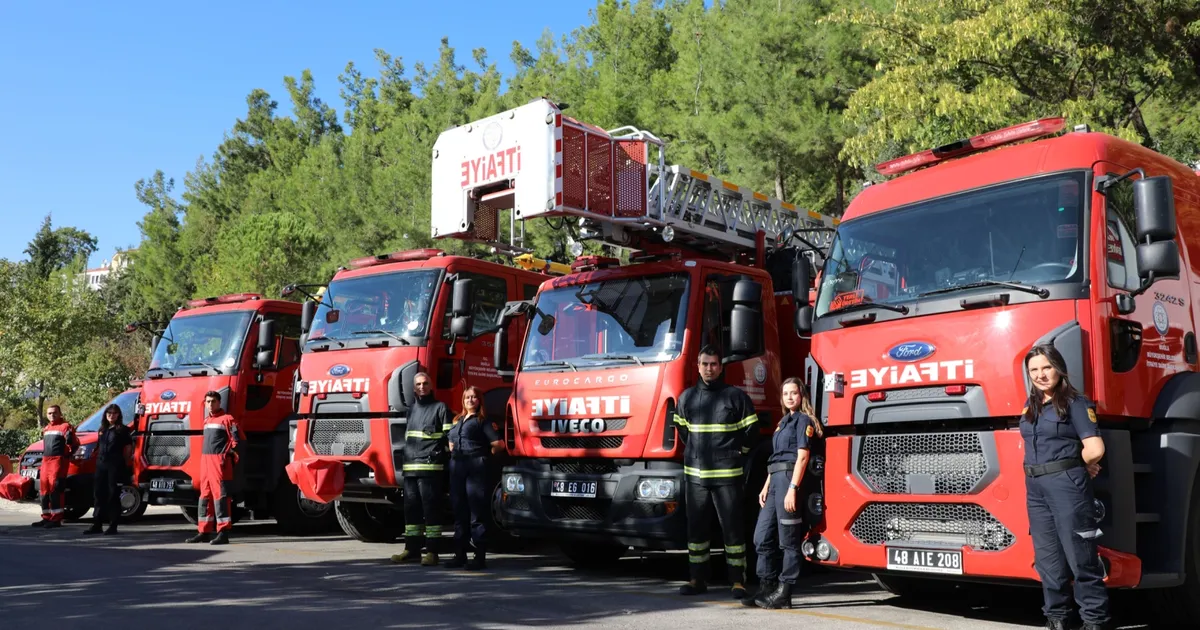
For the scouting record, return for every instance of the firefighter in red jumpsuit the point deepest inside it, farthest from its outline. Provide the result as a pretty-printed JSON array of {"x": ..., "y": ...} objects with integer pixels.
[
  {"x": 222, "y": 435},
  {"x": 59, "y": 442}
]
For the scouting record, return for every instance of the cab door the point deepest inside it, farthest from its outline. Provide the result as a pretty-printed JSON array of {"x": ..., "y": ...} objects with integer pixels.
[{"x": 471, "y": 363}]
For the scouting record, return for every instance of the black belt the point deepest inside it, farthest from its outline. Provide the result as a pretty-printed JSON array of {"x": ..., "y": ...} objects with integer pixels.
[
  {"x": 1037, "y": 470},
  {"x": 780, "y": 467},
  {"x": 469, "y": 454}
]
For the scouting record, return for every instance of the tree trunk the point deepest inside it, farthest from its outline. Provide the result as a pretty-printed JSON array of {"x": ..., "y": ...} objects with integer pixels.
[
  {"x": 41, "y": 404},
  {"x": 779, "y": 191},
  {"x": 839, "y": 172}
]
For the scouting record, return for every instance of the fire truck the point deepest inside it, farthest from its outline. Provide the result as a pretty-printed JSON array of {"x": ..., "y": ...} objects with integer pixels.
[
  {"x": 378, "y": 322},
  {"x": 246, "y": 349},
  {"x": 937, "y": 284},
  {"x": 610, "y": 347}
]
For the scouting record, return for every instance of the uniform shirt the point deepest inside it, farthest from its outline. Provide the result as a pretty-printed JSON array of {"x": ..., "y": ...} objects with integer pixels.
[
  {"x": 473, "y": 436},
  {"x": 1051, "y": 438},
  {"x": 58, "y": 440},
  {"x": 222, "y": 435},
  {"x": 716, "y": 422},
  {"x": 792, "y": 434},
  {"x": 425, "y": 436},
  {"x": 110, "y": 446}
]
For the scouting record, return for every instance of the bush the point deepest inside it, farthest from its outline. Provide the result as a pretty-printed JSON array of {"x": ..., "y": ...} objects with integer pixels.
[{"x": 13, "y": 442}]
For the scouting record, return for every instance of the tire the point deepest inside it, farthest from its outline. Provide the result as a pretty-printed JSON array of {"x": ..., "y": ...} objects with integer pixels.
[
  {"x": 591, "y": 556},
  {"x": 1180, "y": 605},
  {"x": 191, "y": 514},
  {"x": 73, "y": 513},
  {"x": 133, "y": 504},
  {"x": 369, "y": 522},
  {"x": 298, "y": 515},
  {"x": 916, "y": 589}
]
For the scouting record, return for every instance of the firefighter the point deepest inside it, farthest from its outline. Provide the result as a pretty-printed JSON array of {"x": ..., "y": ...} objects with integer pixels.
[
  {"x": 716, "y": 422},
  {"x": 424, "y": 474},
  {"x": 779, "y": 531},
  {"x": 1063, "y": 449},
  {"x": 473, "y": 441},
  {"x": 222, "y": 437},
  {"x": 114, "y": 446},
  {"x": 59, "y": 442}
]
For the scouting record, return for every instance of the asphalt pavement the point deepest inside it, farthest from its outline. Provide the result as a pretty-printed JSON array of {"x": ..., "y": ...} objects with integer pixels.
[{"x": 146, "y": 575}]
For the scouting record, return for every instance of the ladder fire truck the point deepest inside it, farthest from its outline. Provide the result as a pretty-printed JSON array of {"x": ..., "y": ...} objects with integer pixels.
[{"x": 610, "y": 347}]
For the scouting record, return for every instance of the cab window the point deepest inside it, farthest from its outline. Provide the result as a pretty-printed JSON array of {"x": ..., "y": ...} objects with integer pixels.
[
  {"x": 1119, "y": 245},
  {"x": 491, "y": 294}
]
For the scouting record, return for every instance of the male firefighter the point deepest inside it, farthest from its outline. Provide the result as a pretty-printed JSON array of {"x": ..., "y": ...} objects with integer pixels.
[
  {"x": 59, "y": 442},
  {"x": 222, "y": 436},
  {"x": 716, "y": 422},
  {"x": 424, "y": 474}
]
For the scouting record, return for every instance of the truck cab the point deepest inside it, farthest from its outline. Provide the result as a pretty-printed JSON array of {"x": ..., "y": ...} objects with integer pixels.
[{"x": 246, "y": 349}]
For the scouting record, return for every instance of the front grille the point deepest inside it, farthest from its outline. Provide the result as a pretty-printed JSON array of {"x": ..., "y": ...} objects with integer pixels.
[
  {"x": 938, "y": 523},
  {"x": 520, "y": 503},
  {"x": 578, "y": 467},
  {"x": 954, "y": 462},
  {"x": 32, "y": 459},
  {"x": 343, "y": 438},
  {"x": 610, "y": 424},
  {"x": 166, "y": 450},
  {"x": 576, "y": 509},
  {"x": 583, "y": 442}
]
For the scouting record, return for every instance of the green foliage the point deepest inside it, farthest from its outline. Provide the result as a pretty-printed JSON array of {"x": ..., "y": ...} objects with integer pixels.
[
  {"x": 54, "y": 249},
  {"x": 13, "y": 442}
]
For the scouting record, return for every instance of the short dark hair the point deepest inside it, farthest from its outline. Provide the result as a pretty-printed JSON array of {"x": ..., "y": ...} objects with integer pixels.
[
  {"x": 212, "y": 394},
  {"x": 711, "y": 351},
  {"x": 54, "y": 407}
]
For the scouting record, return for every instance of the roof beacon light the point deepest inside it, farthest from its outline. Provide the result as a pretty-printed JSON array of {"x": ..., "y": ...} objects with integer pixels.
[
  {"x": 991, "y": 139},
  {"x": 401, "y": 256},
  {"x": 232, "y": 298}
]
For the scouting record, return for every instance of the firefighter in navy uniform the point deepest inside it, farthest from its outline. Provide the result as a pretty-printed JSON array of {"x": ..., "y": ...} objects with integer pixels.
[
  {"x": 59, "y": 442},
  {"x": 473, "y": 441},
  {"x": 114, "y": 447},
  {"x": 716, "y": 422},
  {"x": 218, "y": 455},
  {"x": 424, "y": 474},
  {"x": 1063, "y": 449}
]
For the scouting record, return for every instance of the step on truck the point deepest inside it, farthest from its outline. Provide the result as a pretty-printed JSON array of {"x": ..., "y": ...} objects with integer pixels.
[
  {"x": 379, "y": 321},
  {"x": 938, "y": 282},
  {"x": 610, "y": 347},
  {"x": 246, "y": 349}
]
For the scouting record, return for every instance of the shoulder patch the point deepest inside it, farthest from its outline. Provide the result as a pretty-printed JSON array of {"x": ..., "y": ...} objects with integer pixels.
[
  {"x": 1025, "y": 411},
  {"x": 1092, "y": 415},
  {"x": 808, "y": 430},
  {"x": 495, "y": 427}
]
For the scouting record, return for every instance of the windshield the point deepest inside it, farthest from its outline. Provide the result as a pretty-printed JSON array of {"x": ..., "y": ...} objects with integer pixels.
[
  {"x": 1026, "y": 232},
  {"x": 396, "y": 303},
  {"x": 128, "y": 404},
  {"x": 624, "y": 320},
  {"x": 213, "y": 341}
]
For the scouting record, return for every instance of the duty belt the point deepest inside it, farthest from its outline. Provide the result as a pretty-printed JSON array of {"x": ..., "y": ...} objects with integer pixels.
[
  {"x": 1037, "y": 470},
  {"x": 469, "y": 454},
  {"x": 780, "y": 467}
]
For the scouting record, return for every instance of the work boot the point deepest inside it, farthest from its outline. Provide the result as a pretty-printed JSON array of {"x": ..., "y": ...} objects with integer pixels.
[
  {"x": 39, "y": 523},
  {"x": 96, "y": 528},
  {"x": 1056, "y": 624},
  {"x": 198, "y": 538},
  {"x": 221, "y": 539},
  {"x": 112, "y": 529},
  {"x": 53, "y": 524},
  {"x": 738, "y": 590},
  {"x": 764, "y": 588},
  {"x": 781, "y": 597},
  {"x": 694, "y": 587},
  {"x": 429, "y": 560},
  {"x": 478, "y": 562},
  {"x": 407, "y": 555},
  {"x": 457, "y": 562}
]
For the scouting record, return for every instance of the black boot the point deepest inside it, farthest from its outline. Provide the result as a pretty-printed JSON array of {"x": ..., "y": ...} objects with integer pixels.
[
  {"x": 764, "y": 588},
  {"x": 695, "y": 587},
  {"x": 478, "y": 563},
  {"x": 221, "y": 539},
  {"x": 457, "y": 562},
  {"x": 112, "y": 529},
  {"x": 198, "y": 538},
  {"x": 781, "y": 597},
  {"x": 96, "y": 528},
  {"x": 1056, "y": 624},
  {"x": 41, "y": 523}
]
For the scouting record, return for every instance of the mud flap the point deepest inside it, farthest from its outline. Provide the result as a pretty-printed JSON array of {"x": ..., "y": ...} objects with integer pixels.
[{"x": 320, "y": 480}]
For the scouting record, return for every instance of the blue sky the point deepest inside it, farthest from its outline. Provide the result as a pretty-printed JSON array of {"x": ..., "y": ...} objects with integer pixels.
[{"x": 95, "y": 96}]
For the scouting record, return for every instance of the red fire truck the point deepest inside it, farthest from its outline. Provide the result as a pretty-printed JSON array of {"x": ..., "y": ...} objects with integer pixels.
[
  {"x": 246, "y": 349},
  {"x": 610, "y": 347},
  {"x": 936, "y": 285},
  {"x": 379, "y": 321}
]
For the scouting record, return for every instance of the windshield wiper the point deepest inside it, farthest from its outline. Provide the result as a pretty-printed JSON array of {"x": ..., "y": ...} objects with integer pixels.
[
  {"x": 382, "y": 332},
  {"x": 1016, "y": 286},
  {"x": 613, "y": 356},
  {"x": 203, "y": 364},
  {"x": 555, "y": 364},
  {"x": 903, "y": 310},
  {"x": 323, "y": 338}
]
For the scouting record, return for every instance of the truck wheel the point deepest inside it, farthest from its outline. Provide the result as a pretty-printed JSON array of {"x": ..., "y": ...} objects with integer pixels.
[
  {"x": 369, "y": 522},
  {"x": 75, "y": 512},
  {"x": 915, "y": 589},
  {"x": 298, "y": 515},
  {"x": 132, "y": 504},
  {"x": 591, "y": 556},
  {"x": 1180, "y": 605},
  {"x": 191, "y": 514}
]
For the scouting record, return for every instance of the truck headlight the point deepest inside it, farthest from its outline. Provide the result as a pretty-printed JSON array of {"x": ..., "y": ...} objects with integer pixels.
[
  {"x": 84, "y": 452},
  {"x": 514, "y": 483},
  {"x": 651, "y": 488}
]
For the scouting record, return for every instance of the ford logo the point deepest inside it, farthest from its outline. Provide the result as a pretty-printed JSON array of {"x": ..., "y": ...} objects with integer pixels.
[
  {"x": 339, "y": 370},
  {"x": 911, "y": 351},
  {"x": 167, "y": 395}
]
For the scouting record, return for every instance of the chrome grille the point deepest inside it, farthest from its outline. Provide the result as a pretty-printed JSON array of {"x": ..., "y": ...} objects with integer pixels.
[
  {"x": 938, "y": 523},
  {"x": 954, "y": 461},
  {"x": 576, "y": 509},
  {"x": 345, "y": 438},
  {"x": 584, "y": 467},
  {"x": 166, "y": 450},
  {"x": 583, "y": 442}
]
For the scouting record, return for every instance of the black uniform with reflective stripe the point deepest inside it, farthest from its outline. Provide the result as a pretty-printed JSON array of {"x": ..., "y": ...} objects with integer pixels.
[
  {"x": 471, "y": 436},
  {"x": 716, "y": 422},
  {"x": 425, "y": 437}
]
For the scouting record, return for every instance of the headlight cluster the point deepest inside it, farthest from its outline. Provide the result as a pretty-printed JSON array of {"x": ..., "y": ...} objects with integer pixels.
[
  {"x": 656, "y": 489},
  {"x": 514, "y": 483},
  {"x": 84, "y": 452}
]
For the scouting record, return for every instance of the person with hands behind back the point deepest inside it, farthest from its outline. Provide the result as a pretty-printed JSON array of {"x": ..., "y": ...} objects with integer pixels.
[
  {"x": 1063, "y": 449},
  {"x": 473, "y": 441},
  {"x": 113, "y": 448},
  {"x": 59, "y": 443},
  {"x": 219, "y": 454}
]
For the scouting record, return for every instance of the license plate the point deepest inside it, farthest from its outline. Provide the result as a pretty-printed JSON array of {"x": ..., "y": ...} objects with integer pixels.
[
  {"x": 578, "y": 489},
  {"x": 32, "y": 473},
  {"x": 162, "y": 485},
  {"x": 925, "y": 560}
]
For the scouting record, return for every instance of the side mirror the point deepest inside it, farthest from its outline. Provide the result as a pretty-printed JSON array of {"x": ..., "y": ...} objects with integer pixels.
[
  {"x": 307, "y": 313},
  {"x": 745, "y": 320},
  {"x": 801, "y": 280},
  {"x": 500, "y": 351},
  {"x": 804, "y": 320},
  {"x": 129, "y": 328},
  {"x": 1154, "y": 208},
  {"x": 154, "y": 344},
  {"x": 1157, "y": 261},
  {"x": 462, "y": 326},
  {"x": 265, "y": 357},
  {"x": 462, "y": 298}
]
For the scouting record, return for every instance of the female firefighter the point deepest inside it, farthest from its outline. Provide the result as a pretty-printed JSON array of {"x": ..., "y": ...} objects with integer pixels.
[
  {"x": 1063, "y": 449},
  {"x": 780, "y": 528},
  {"x": 114, "y": 447},
  {"x": 473, "y": 440}
]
